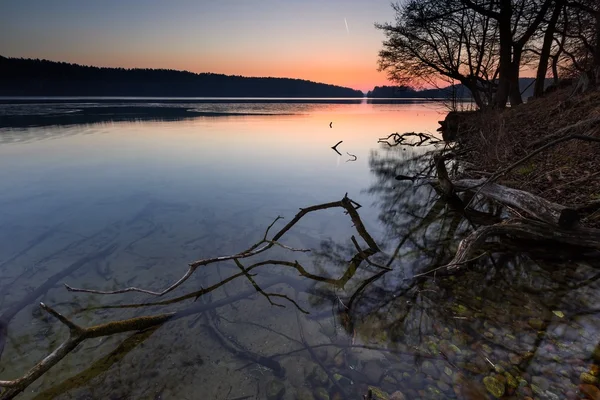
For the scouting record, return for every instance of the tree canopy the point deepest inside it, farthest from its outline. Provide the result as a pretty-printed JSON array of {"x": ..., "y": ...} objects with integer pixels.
[{"x": 484, "y": 44}]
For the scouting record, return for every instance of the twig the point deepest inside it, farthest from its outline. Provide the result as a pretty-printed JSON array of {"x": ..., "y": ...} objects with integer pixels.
[{"x": 351, "y": 155}]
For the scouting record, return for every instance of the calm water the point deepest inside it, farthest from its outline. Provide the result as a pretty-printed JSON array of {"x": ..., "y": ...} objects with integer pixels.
[{"x": 129, "y": 196}]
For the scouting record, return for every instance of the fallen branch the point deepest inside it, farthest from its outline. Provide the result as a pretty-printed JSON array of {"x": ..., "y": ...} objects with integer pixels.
[
  {"x": 535, "y": 206},
  {"x": 8, "y": 315},
  {"x": 263, "y": 245},
  {"x": 78, "y": 334},
  {"x": 522, "y": 229},
  {"x": 402, "y": 139}
]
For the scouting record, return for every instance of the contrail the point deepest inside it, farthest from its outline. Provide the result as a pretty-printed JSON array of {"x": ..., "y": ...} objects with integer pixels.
[{"x": 346, "y": 22}]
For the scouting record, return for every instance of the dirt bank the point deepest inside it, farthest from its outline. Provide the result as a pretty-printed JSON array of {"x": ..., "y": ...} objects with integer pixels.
[{"x": 568, "y": 173}]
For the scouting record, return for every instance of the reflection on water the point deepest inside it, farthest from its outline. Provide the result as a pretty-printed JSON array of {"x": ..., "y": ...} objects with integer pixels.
[{"x": 113, "y": 205}]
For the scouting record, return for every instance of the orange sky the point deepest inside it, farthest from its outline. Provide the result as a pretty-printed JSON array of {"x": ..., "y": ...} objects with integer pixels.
[{"x": 331, "y": 41}]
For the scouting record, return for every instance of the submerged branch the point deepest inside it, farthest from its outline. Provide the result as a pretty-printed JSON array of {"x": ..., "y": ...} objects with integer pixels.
[{"x": 258, "y": 248}]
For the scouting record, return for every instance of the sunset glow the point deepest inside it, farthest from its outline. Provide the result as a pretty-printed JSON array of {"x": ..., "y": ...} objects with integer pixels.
[{"x": 331, "y": 42}]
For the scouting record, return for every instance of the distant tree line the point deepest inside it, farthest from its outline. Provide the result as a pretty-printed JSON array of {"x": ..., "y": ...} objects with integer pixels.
[
  {"x": 29, "y": 77},
  {"x": 484, "y": 44},
  {"x": 458, "y": 91}
]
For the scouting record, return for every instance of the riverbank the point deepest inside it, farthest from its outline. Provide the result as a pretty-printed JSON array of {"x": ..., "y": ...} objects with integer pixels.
[{"x": 567, "y": 173}]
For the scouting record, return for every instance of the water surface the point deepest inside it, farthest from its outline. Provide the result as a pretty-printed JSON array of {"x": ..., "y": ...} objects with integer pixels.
[{"x": 128, "y": 195}]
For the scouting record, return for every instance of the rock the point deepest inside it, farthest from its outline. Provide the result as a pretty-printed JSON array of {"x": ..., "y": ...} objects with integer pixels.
[
  {"x": 339, "y": 360},
  {"x": 536, "y": 323},
  {"x": 536, "y": 390},
  {"x": 526, "y": 391},
  {"x": 591, "y": 391},
  {"x": 319, "y": 377},
  {"x": 342, "y": 380},
  {"x": 373, "y": 371},
  {"x": 275, "y": 389},
  {"x": 495, "y": 387},
  {"x": 443, "y": 386},
  {"x": 321, "y": 394},
  {"x": 397, "y": 395},
  {"x": 304, "y": 394},
  {"x": 389, "y": 383},
  {"x": 588, "y": 378},
  {"x": 321, "y": 354},
  {"x": 433, "y": 393},
  {"x": 571, "y": 395},
  {"x": 429, "y": 369},
  {"x": 416, "y": 380},
  {"x": 378, "y": 394},
  {"x": 309, "y": 369},
  {"x": 511, "y": 381},
  {"x": 540, "y": 382}
]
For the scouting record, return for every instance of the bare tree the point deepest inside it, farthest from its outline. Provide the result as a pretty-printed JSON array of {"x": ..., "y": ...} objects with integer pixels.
[
  {"x": 578, "y": 40},
  {"x": 550, "y": 32},
  {"x": 434, "y": 39},
  {"x": 518, "y": 21}
]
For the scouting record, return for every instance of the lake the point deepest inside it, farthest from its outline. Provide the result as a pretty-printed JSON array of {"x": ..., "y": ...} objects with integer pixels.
[{"x": 107, "y": 194}]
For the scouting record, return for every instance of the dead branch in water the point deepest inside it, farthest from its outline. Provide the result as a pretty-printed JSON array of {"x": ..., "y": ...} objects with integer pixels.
[
  {"x": 263, "y": 245},
  {"x": 335, "y": 147},
  {"x": 404, "y": 139},
  {"x": 78, "y": 334}
]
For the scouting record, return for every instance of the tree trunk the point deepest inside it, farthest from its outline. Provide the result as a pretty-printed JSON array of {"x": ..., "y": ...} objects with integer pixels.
[
  {"x": 515, "y": 90},
  {"x": 597, "y": 50},
  {"x": 472, "y": 86},
  {"x": 555, "y": 68},
  {"x": 505, "y": 67},
  {"x": 540, "y": 78}
]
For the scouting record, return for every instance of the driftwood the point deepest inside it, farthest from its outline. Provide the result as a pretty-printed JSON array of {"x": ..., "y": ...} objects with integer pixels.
[
  {"x": 537, "y": 207},
  {"x": 523, "y": 229},
  {"x": 551, "y": 224}
]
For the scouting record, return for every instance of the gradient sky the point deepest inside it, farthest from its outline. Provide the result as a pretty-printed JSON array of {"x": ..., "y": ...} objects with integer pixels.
[{"x": 304, "y": 39}]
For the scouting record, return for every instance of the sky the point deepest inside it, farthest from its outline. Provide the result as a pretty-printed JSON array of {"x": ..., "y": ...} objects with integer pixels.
[{"x": 330, "y": 41}]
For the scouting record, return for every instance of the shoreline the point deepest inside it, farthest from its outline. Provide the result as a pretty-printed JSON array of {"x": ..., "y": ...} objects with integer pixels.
[{"x": 567, "y": 173}]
